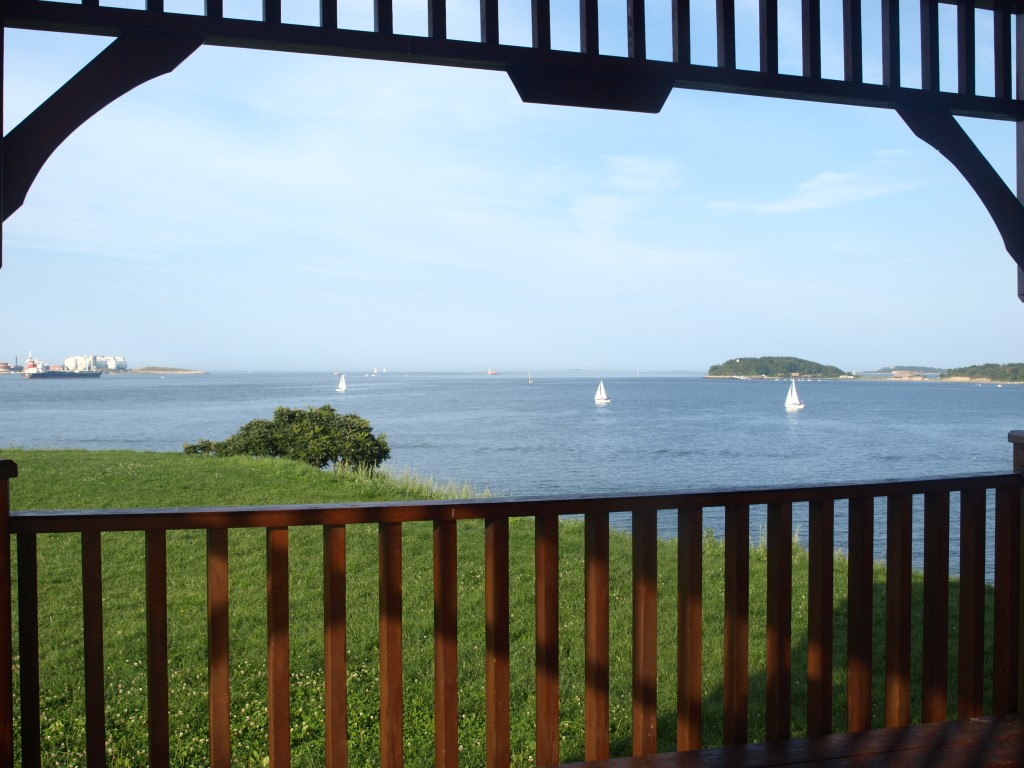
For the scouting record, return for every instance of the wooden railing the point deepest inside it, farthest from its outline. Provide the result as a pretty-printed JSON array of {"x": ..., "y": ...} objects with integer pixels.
[
  {"x": 970, "y": 494},
  {"x": 620, "y": 56}
]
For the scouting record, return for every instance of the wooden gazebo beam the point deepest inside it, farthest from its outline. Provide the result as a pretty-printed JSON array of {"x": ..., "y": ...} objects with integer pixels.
[{"x": 124, "y": 64}]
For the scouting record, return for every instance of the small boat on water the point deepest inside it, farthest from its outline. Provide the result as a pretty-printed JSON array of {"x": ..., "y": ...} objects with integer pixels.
[
  {"x": 529, "y": 378},
  {"x": 792, "y": 398},
  {"x": 342, "y": 387},
  {"x": 601, "y": 397}
]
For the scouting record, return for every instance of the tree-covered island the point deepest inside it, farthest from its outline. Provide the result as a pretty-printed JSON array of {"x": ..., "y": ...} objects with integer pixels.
[
  {"x": 774, "y": 367},
  {"x": 1008, "y": 372}
]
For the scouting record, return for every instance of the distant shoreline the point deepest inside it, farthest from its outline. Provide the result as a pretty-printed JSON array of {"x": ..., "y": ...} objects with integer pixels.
[
  {"x": 150, "y": 369},
  {"x": 951, "y": 380}
]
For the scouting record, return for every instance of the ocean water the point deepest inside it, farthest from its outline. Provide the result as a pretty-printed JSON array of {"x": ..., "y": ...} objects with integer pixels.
[{"x": 659, "y": 433}]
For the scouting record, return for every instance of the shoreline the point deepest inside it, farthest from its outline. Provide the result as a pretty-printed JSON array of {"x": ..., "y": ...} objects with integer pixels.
[{"x": 910, "y": 379}]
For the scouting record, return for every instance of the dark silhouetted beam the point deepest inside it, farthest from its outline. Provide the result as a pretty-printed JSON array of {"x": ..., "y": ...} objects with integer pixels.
[{"x": 124, "y": 64}]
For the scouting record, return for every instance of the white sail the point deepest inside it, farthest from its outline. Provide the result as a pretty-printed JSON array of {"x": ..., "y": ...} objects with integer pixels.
[
  {"x": 341, "y": 384},
  {"x": 529, "y": 378},
  {"x": 601, "y": 397},
  {"x": 792, "y": 398}
]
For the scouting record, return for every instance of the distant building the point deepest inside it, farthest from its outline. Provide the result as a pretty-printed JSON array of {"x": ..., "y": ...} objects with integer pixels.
[{"x": 96, "y": 362}]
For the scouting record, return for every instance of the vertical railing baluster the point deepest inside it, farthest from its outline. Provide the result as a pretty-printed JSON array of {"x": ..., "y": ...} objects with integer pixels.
[
  {"x": 156, "y": 648},
  {"x": 92, "y": 636},
  {"x": 726, "y": 27},
  {"x": 681, "y": 46},
  {"x": 437, "y": 19},
  {"x": 383, "y": 17},
  {"x": 820, "y": 539},
  {"x": 645, "y": 631},
  {"x": 1002, "y": 50},
  {"x": 329, "y": 14},
  {"x": 589, "y": 23},
  {"x": 335, "y": 667},
  {"x": 636, "y": 29},
  {"x": 769, "y": 36},
  {"x": 28, "y": 648},
  {"x": 897, "y": 610},
  {"x": 965, "y": 55},
  {"x": 595, "y": 586},
  {"x": 546, "y": 598},
  {"x": 446, "y": 667},
  {"x": 891, "y": 43},
  {"x": 853, "y": 42},
  {"x": 930, "y": 52},
  {"x": 779, "y": 676},
  {"x": 689, "y": 655},
  {"x": 389, "y": 554},
  {"x": 8, "y": 470},
  {"x": 214, "y": 8},
  {"x": 272, "y": 11},
  {"x": 278, "y": 689},
  {"x": 935, "y": 639},
  {"x": 217, "y": 644},
  {"x": 737, "y": 620},
  {"x": 1016, "y": 438},
  {"x": 488, "y": 21},
  {"x": 860, "y": 620},
  {"x": 811, "y": 15},
  {"x": 496, "y": 608},
  {"x": 972, "y": 604},
  {"x": 540, "y": 11},
  {"x": 1006, "y": 621}
]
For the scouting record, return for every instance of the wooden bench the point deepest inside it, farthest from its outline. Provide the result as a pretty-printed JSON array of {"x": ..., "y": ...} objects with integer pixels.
[{"x": 984, "y": 741}]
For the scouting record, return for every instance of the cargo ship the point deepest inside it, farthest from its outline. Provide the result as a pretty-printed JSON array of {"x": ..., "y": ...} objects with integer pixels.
[{"x": 35, "y": 369}]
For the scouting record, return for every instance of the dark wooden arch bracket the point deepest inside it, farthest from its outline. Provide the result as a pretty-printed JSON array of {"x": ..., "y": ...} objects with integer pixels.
[
  {"x": 940, "y": 129},
  {"x": 127, "y": 62}
]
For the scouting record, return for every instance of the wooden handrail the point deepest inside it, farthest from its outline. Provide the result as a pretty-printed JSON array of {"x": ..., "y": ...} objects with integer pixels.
[
  {"x": 206, "y": 518},
  {"x": 862, "y": 499}
]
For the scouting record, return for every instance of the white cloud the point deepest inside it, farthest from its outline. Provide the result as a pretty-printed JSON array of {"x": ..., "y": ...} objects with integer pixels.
[
  {"x": 826, "y": 190},
  {"x": 640, "y": 175}
]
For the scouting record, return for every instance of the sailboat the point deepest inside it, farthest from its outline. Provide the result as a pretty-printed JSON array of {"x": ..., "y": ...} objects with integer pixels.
[
  {"x": 792, "y": 398},
  {"x": 601, "y": 397},
  {"x": 342, "y": 387},
  {"x": 529, "y": 378}
]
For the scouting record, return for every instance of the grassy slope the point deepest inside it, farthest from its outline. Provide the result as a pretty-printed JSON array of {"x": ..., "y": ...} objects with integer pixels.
[{"x": 72, "y": 479}]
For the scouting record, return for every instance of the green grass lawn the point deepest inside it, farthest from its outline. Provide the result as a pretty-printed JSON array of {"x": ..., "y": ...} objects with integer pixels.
[{"x": 79, "y": 479}]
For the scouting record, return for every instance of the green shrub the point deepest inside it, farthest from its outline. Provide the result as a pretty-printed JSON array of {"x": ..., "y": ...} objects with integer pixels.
[{"x": 318, "y": 436}]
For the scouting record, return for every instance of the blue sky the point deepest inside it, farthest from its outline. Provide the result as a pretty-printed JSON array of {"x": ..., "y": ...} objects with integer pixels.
[{"x": 267, "y": 211}]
